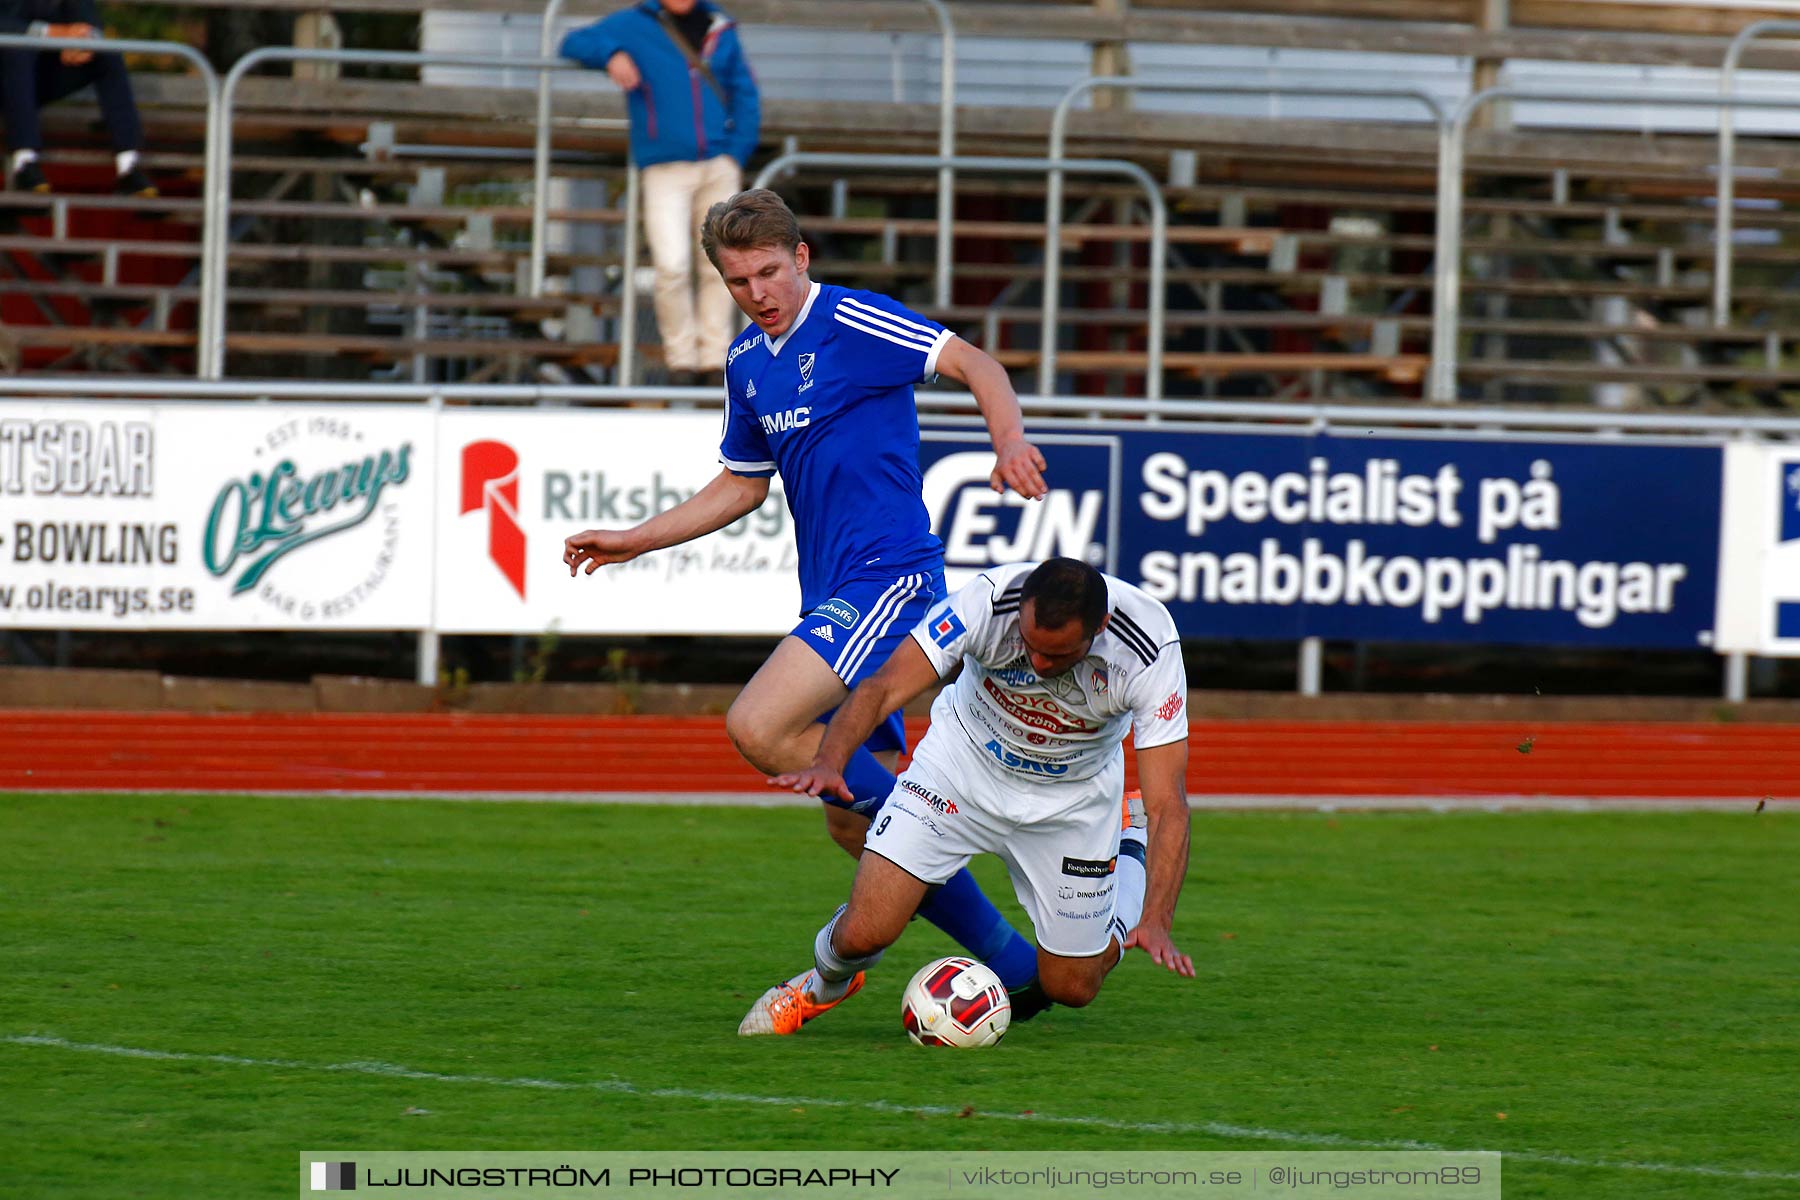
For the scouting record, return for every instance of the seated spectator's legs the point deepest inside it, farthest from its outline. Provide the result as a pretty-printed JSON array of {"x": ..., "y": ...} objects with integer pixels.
[
  {"x": 669, "y": 190},
  {"x": 31, "y": 79},
  {"x": 112, "y": 85},
  {"x": 19, "y": 98},
  {"x": 720, "y": 320}
]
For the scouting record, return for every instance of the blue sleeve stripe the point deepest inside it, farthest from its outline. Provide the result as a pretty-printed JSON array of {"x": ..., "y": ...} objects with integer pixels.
[
  {"x": 922, "y": 347},
  {"x": 858, "y": 308}
]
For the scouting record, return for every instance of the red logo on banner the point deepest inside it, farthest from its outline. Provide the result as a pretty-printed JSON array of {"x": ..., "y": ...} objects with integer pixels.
[{"x": 490, "y": 480}]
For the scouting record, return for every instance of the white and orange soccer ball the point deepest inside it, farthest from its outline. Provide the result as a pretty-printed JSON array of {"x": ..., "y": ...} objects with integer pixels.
[{"x": 955, "y": 1002}]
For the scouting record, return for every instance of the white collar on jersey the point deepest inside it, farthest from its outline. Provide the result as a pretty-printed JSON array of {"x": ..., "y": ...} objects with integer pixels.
[{"x": 776, "y": 345}]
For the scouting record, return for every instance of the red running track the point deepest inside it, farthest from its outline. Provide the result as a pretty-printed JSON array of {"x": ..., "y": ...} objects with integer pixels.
[{"x": 453, "y": 752}]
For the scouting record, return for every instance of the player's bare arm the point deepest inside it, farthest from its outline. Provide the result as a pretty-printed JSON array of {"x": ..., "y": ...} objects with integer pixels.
[
  {"x": 907, "y": 673},
  {"x": 714, "y": 506},
  {"x": 1018, "y": 464},
  {"x": 1162, "y": 777}
]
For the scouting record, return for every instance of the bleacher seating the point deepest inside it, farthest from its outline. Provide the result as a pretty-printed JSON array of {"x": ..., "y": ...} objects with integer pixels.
[{"x": 382, "y": 225}]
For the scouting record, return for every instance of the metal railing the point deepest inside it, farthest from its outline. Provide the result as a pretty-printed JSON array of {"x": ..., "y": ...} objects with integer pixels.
[
  {"x": 1159, "y": 217},
  {"x": 209, "y": 79},
  {"x": 1446, "y": 300},
  {"x": 218, "y": 185},
  {"x": 946, "y": 213},
  {"x": 540, "y": 205},
  {"x": 540, "y": 172},
  {"x": 1383, "y": 420},
  {"x": 1722, "y": 229},
  {"x": 1053, "y": 202}
]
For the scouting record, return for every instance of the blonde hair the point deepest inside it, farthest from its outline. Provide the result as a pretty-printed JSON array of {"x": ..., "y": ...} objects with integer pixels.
[{"x": 753, "y": 220}]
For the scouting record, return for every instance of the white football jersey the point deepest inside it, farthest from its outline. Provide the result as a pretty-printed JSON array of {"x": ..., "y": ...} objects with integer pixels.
[{"x": 1067, "y": 726}]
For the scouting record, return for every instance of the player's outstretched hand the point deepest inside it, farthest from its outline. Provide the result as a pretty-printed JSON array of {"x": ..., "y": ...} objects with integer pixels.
[
  {"x": 815, "y": 780},
  {"x": 598, "y": 547},
  {"x": 1019, "y": 465},
  {"x": 1161, "y": 948}
]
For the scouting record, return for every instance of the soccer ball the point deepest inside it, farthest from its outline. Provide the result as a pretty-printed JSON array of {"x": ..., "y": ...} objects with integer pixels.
[{"x": 955, "y": 1002}]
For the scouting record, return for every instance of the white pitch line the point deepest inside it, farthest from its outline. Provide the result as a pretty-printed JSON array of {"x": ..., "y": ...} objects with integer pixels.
[{"x": 620, "y": 1087}]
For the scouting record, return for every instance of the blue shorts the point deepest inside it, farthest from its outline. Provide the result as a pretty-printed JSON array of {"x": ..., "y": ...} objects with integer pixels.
[{"x": 864, "y": 622}]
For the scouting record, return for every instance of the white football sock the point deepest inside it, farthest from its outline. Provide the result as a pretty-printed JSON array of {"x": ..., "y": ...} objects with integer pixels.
[
  {"x": 126, "y": 159},
  {"x": 21, "y": 157},
  {"x": 832, "y": 972},
  {"x": 1128, "y": 902}
]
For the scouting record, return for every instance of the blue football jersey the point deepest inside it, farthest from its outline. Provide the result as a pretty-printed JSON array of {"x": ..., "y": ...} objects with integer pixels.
[{"x": 829, "y": 404}]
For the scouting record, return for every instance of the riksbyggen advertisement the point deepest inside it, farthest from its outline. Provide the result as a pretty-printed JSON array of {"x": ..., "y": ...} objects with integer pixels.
[
  {"x": 513, "y": 484},
  {"x": 214, "y": 516},
  {"x": 1289, "y": 535}
]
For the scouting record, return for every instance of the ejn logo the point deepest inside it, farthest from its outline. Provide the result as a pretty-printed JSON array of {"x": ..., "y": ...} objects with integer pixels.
[
  {"x": 980, "y": 529},
  {"x": 334, "y": 1177}
]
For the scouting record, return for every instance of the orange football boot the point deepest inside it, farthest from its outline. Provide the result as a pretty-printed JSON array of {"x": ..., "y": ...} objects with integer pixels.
[{"x": 784, "y": 1008}]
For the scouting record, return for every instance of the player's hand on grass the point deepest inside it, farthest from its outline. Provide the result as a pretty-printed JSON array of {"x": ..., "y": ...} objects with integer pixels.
[
  {"x": 1020, "y": 466},
  {"x": 1161, "y": 948},
  {"x": 815, "y": 780},
  {"x": 597, "y": 548}
]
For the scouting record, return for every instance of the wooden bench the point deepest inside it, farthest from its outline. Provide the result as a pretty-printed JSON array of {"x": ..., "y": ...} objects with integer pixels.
[
  {"x": 1630, "y": 33},
  {"x": 1309, "y": 282},
  {"x": 78, "y": 336},
  {"x": 1384, "y": 195},
  {"x": 364, "y": 346},
  {"x": 390, "y": 349},
  {"x": 1406, "y": 369},
  {"x": 1591, "y": 373}
]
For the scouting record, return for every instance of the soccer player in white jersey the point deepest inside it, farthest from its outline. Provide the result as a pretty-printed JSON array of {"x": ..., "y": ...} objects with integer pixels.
[
  {"x": 1025, "y": 760},
  {"x": 820, "y": 389}
]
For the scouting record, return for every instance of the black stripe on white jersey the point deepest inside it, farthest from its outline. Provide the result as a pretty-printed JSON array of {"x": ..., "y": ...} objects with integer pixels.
[
  {"x": 1127, "y": 631},
  {"x": 1008, "y": 601}
]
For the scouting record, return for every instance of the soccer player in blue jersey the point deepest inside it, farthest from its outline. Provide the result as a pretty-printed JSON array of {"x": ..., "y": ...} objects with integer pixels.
[{"x": 820, "y": 389}]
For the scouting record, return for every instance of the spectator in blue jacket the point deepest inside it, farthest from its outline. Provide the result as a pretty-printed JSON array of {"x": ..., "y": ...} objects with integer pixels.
[
  {"x": 29, "y": 79},
  {"x": 695, "y": 116}
]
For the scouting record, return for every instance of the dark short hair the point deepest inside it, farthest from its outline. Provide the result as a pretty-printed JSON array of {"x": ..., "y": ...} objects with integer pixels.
[
  {"x": 754, "y": 220},
  {"x": 1061, "y": 590}
]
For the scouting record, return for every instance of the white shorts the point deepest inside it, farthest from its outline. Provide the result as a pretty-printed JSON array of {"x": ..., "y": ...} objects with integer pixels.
[{"x": 1059, "y": 839}]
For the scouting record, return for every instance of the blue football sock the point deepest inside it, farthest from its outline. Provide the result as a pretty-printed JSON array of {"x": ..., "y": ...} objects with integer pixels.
[
  {"x": 960, "y": 910},
  {"x": 869, "y": 781}
]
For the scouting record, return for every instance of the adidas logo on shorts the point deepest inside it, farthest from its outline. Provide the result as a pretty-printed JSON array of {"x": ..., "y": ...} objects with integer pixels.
[{"x": 823, "y": 631}]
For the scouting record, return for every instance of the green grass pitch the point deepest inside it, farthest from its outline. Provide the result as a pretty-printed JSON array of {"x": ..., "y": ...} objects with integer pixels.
[{"x": 1609, "y": 998}]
